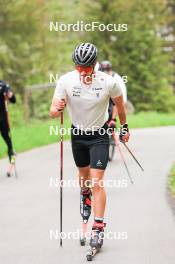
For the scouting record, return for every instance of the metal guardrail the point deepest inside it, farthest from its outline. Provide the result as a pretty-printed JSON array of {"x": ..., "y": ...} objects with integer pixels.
[{"x": 44, "y": 86}]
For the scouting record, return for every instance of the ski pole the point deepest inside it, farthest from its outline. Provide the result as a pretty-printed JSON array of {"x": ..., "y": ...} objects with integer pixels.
[
  {"x": 61, "y": 179},
  {"x": 133, "y": 156},
  {"x": 122, "y": 157}
]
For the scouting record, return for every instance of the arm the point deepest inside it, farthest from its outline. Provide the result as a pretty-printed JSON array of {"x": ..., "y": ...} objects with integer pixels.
[
  {"x": 114, "y": 112},
  {"x": 116, "y": 94},
  {"x": 122, "y": 85},
  {"x": 120, "y": 108},
  {"x": 9, "y": 94},
  {"x": 112, "y": 121},
  {"x": 11, "y": 97},
  {"x": 120, "y": 105}
]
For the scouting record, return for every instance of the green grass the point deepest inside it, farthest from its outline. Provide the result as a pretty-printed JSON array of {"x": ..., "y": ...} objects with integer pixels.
[
  {"x": 33, "y": 135},
  {"x": 172, "y": 180},
  {"x": 151, "y": 119},
  {"x": 36, "y": 133}
]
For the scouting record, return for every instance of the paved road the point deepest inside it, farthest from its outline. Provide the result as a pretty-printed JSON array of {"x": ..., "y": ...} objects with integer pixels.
[{"x": 29, "y": 207}]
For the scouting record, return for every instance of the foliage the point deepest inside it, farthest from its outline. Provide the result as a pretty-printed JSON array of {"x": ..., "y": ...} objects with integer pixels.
[
  {"x": 29, "y": 51},
  {"x": 138, "y": 52},
  {"x": 16, "y": 113},
  {"x": 39, "y": 103}
]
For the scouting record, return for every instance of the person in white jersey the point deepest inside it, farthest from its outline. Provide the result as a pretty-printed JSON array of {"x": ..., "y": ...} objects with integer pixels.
[{"x": 86, "y": 94}]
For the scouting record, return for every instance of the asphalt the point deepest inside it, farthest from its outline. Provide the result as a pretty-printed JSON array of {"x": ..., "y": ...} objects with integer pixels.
[{"x": 138, "y": 215}]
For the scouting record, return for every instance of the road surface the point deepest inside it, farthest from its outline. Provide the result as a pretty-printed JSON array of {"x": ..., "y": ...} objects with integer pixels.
[{"x": 138, "y": 214}]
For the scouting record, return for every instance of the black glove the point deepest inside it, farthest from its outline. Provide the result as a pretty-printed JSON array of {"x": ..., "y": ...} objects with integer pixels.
[{"x": 123, "y": 131}]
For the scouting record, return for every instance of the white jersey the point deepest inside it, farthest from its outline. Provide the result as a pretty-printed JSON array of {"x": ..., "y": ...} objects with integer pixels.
[
  {"x": 87, "y": 104},
  {"x": 119, "y": 79}
]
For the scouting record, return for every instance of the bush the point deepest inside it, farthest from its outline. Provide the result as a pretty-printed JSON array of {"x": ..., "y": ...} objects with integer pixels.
[
  {"x": 16, "y": 112},
  {"x": 39, "y": 103}
]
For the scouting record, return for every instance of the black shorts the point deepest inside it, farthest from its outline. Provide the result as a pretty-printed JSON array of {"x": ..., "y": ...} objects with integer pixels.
[{"x": 90, "y": 150}]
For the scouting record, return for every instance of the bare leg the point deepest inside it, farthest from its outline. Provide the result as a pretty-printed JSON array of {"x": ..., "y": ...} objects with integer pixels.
[
  {"x": 85, "y": 210},
  {"x": 98, "y": 192},
  {"x": 84, "y": 176}
]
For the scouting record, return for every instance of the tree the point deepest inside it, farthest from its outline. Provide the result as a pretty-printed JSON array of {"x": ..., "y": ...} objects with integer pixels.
[
  {"x": 138, "y": 52},
  {"x": 28, "y": 51}
]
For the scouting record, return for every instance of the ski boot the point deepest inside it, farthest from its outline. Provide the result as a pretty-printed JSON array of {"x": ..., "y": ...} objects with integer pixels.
[
  {"x": 96, "y": 241},
  {"x": 85, "y": 211}
]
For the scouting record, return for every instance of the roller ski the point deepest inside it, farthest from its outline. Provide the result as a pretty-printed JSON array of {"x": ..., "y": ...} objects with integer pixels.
[
  {"x": 96, "y": 241},
  {"x": 85, "y": 211},
  {"x": 12, "y": 165}
]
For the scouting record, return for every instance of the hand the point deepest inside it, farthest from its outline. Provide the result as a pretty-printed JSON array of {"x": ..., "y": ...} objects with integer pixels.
[
  {"x": 10, "y": 94},
  {"x": 60, "y": 104},
  {"x": 112, "y": 124},
  {"x": 124, "y": 133}
]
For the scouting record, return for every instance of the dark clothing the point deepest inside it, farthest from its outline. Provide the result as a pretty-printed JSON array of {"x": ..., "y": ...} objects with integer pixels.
[
  {"x": 91, "y": 150},
  {"x": 4, "y": 89},
  {"x": 5, "y": 132},
  {"x": 111, "y": 104},
  {"x": 110, "y": 109},
  {"x": 4, "y": 125}
]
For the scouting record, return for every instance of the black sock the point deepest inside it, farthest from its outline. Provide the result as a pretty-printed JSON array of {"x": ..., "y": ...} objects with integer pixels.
[{"x": 99, "y": 219}]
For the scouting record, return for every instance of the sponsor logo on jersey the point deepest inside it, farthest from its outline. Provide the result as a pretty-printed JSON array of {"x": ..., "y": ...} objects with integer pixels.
[
  {"x": 97, "y": 88},
  {"x": 76, "y": 91},
  {"x": 99, "y": 163},
  {"x": 76, "y": 88}
]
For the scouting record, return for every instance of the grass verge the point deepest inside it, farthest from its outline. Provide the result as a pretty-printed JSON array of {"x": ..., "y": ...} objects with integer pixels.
[
  {"x": 37, "y": 133},
  {"x": 171, "y": 180}
]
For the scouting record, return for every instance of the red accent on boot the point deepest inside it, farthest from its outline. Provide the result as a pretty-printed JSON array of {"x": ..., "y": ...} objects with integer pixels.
[
  {"x": 88, "y": 201},
  {"x": 98, "y": 225}
]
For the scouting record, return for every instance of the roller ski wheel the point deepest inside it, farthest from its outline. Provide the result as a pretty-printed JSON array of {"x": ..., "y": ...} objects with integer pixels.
[
  {"x": 91, "y": 253},
  {"x": 9, "y": 174}
]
